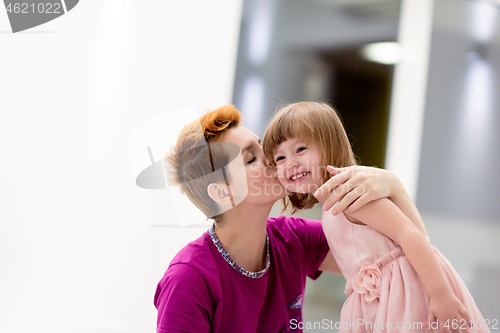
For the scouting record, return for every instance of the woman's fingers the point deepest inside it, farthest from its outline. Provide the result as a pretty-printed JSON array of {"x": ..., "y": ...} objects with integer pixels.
[
  {"x": 338, "y": 193},
  {"x": 343, "y": 188},
  {"x": 352, "y": 187},
  {"x": 332, "y": 169},
  {"x": 331, "y": 184},
  {"x": 348, "y": 206},
  {"x": 339, "y": 177},
  {"x": 348, "y": 194}
]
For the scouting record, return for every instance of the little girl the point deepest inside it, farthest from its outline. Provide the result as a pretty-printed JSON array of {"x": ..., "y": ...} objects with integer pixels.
[{"x": 396, "y": 280}]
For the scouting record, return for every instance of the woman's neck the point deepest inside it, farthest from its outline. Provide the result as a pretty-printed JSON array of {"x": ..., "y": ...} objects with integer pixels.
[{"x": 242, "y": 233}]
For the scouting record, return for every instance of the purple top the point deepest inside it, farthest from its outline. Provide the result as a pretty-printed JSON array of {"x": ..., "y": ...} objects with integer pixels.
[{"x": 200, "y": 292}]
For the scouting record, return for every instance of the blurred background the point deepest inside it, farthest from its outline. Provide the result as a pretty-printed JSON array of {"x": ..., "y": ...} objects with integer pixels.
[{"x": 82, "y": 247}]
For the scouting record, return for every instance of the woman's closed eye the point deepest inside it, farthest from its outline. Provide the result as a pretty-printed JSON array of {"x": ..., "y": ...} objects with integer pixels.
[{"x": 252, "y": 160}]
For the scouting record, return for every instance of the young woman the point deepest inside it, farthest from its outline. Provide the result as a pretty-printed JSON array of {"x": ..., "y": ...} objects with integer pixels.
[{"x": 247, "y": 273}]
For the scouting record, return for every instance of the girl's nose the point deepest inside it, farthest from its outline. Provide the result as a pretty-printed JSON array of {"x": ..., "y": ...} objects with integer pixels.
[{"x": 292, "y": 163}]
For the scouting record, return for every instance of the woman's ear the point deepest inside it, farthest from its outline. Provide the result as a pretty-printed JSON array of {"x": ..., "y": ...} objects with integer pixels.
[{"x": 219, "y": 193}]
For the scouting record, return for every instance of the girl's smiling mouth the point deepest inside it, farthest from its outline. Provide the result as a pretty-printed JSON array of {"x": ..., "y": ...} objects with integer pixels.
[{"x": 299, "y": 176}]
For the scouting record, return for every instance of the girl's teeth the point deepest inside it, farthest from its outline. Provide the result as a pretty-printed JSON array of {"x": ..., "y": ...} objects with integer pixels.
[{"x": 299, "y": 176}]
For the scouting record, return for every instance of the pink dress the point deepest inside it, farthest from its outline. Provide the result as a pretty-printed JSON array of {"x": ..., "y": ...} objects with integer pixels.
[{"x": 385, "y": 292}]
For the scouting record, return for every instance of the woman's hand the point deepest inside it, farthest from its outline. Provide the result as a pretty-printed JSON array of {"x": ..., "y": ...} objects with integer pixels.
[
  {"x": 447, "y": 310},
  {"x": 356, "y": 186}
]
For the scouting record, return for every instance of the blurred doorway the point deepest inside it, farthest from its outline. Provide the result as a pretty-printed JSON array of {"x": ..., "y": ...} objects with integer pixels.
[{"x": 361, "y": 95}]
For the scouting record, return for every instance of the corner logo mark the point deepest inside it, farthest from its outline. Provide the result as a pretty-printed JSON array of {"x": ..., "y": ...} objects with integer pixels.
[{"x": 26, "y": 14}]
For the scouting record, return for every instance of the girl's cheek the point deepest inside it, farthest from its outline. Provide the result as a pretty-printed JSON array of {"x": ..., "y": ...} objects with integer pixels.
[
  {"x": 281, "y": 179},
  {"x": 279, "y": 173}
]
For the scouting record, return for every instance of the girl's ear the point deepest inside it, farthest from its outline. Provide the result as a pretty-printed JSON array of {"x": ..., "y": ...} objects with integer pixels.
[{"x": 219, "y": 193}]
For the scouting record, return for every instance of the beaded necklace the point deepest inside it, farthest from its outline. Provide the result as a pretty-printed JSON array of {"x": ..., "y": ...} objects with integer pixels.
[{"x": 225, "y": 255}]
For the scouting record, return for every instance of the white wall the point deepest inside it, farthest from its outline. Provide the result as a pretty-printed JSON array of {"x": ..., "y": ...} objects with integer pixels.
[{"x": 76, "y": 248}]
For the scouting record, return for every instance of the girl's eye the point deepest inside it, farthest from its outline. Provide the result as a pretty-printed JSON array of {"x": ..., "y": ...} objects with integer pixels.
[
  {"x": 299, "y": 149},
  {"x": 252, "y": 160},
  {"x": 279, "y": 158}
]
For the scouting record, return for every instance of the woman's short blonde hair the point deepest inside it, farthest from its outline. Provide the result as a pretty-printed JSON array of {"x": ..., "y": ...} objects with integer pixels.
[
  {"x": 191, "y": 162},
  {"x": 313, "y": 122}
]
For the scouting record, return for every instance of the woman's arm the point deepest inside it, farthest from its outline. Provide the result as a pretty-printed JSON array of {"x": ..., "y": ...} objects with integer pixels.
[
  {"x": 359, "y": 185},
  {"x": 383, "y": 216}
]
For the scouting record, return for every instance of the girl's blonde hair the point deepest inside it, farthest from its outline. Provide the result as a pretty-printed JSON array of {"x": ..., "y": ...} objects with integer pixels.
[{"x": 313, "y": 122}]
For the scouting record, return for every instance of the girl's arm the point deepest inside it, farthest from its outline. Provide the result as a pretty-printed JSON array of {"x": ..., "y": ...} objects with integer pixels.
[
  {"x": 384, "y": 216},
  {"x": 402, "y": 200},
  {"x": 359, "y": 185},
  {"x": 330, "y": 265}
]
